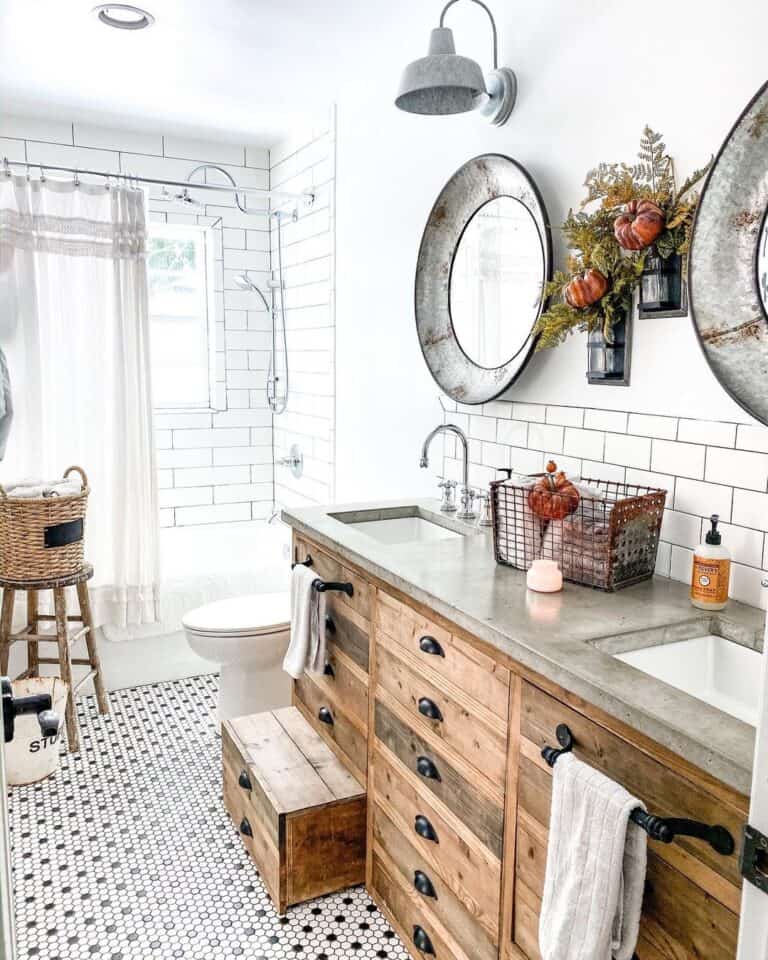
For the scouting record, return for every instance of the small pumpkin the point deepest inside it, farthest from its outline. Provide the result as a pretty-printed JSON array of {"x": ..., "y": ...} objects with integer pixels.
[
  {"x": 553, "y": 496},
  {"x": 586, "y": 289},
  {"x": 639, "y": 225}
]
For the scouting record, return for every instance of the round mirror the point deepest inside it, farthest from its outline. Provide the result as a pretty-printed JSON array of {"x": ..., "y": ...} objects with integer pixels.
[
  {"x": 484, "y": 259},
  {"x": 496, "y": 282},
  {"x": 728, "y": 263}
]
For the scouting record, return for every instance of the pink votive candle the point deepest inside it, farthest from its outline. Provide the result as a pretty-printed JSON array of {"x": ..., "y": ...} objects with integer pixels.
[{"x": 544, "y": 577}]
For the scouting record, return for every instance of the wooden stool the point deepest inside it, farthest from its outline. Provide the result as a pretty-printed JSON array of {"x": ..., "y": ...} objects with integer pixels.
[{"x": 62, "y": 637}]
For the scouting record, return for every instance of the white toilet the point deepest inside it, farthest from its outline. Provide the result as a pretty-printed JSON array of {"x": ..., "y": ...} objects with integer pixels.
[{"x": 248, "y": 637}]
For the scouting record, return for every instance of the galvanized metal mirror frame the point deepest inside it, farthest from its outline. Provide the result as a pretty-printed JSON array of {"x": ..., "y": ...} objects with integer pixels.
[
  {"x": 726, "y": 305},
  {"x": 475, "y": 184}
]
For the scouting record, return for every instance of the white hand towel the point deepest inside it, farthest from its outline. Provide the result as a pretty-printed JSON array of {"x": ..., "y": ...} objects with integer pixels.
[
  {"x": 306, "y": 636},
  {"x": 596, "y": 862}
]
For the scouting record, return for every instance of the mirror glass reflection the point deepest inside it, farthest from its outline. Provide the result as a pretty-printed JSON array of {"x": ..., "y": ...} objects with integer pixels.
[{"x": 496, "y": 282}]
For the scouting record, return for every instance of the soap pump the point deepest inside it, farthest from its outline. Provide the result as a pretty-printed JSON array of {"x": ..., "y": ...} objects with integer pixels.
[{"x": 711, "y": 571}]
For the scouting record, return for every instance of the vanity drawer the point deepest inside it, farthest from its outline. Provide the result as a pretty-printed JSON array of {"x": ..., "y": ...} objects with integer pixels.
[
  {"x": 437, "y": 776},
  {"x": 337, "y": 728},
  {"x": 423, "y": 935},
  {"x": 436, "y": 898},
  {"x": 433, "y": 648},
  {"x": 691, "y": 903},
  {"x": 346, "y": 684},
  {"x": 470, "y": 729},
  {"x": 348, "y": 631},
  {"x": 329, "y": 568},
  {"x": 446, "y": 847}
]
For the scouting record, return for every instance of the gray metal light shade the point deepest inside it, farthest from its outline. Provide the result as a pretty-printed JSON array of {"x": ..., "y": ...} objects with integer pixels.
[{"x": 442, "y": 82}]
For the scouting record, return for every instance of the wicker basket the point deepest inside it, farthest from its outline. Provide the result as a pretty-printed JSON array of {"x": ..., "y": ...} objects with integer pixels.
[
  {"x": 607, "y": 544},
  {"x": 42, "y": 538}
]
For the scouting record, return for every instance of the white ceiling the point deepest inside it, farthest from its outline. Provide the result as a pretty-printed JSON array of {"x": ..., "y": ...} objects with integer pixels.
[{"x": 242, "y": 67}]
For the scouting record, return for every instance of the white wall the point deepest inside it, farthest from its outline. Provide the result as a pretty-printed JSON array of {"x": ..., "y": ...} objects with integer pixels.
[{"x": 591, "y": 75}]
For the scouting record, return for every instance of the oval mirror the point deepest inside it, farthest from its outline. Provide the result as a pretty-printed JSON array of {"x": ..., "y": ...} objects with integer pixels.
[
  {"x": 483, "y": 262},
  {"x": 728, "y": 282}
]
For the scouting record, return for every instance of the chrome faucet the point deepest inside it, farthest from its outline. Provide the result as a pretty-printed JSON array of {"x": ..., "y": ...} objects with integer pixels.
[{"x": 467, "y": 495}]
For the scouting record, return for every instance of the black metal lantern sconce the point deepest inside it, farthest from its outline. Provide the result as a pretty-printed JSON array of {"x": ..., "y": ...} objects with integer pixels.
[
  {"x": 609, "y": 362},
  {"x": 662, "y": 287}
]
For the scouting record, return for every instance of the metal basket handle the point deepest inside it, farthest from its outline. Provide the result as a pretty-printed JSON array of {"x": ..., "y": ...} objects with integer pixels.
[{"x": 83, "y": 476}]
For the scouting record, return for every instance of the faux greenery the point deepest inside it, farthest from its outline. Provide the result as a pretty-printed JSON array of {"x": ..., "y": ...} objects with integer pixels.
[{"x": 590, "y": 237}]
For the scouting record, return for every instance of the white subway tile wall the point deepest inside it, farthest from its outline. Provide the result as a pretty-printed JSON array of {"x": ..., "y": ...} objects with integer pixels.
[
  {"x": 307, "y": 162},
  {"x": 706, "y": 467},
  {"x": 217, "y": 465}
]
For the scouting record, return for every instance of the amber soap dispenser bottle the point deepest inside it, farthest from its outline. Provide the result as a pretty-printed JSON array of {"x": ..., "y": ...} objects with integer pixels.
[{"x": 711, "y": 571}]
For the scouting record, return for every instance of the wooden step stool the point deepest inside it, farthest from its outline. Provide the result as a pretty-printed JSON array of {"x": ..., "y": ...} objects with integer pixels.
[
  {"x": 301, "y": 814},
  {"x": 62, "y": 637}
]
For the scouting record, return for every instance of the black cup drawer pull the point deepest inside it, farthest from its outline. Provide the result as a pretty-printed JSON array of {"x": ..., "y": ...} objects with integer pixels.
[
  {"x": 431, "y": 646},
  {"x": 329, "y": 671},
  {"x": 324, "y": 715},
  {"x": 424, "y": 828},
  {"x": 244, "y": 780},
  {"x": 423, "y": 884},
  {"x": 426, "y": 768},
  {"x": 421, "y": 941},
  {"x": 428, "y": 708},
  {"x": 245, "y": 828},
  {"x": 330, "y": 626}
]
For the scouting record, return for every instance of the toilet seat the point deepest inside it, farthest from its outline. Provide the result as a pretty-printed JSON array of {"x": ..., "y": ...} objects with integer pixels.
[{"x": 257, "y": 614}]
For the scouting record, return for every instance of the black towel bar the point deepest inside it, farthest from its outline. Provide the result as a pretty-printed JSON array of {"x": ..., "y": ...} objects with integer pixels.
[
  {"x": 324, "y": 585},
  {"x": 664, "y": 829}
]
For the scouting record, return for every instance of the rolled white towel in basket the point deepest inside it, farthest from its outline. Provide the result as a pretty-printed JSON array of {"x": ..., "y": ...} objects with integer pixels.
[{"x": 29, "y": 489}]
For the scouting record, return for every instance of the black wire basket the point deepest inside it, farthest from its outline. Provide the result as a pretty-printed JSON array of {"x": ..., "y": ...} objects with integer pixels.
[{"x": 606, "y": 543}]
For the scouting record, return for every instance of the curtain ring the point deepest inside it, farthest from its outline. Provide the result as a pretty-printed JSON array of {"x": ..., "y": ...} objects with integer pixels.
[
  {"x": 28, "y": 173},
  {"x": 42, "y": 173},
  {"x": 6, "y": 167},
  {"x": 76, "y": 178}
]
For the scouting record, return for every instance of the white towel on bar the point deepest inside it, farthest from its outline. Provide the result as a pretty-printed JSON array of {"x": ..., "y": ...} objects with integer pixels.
[
  {"x": 596, "y": 862},
  {"x": 306, "y": 650}
]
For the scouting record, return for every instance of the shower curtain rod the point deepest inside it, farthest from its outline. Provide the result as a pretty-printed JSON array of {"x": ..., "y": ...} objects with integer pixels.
[{"x": 278, "y": 195}]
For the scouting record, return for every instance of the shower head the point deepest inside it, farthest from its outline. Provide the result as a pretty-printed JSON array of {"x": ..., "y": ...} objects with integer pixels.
[{"x": 182, "y": 198}]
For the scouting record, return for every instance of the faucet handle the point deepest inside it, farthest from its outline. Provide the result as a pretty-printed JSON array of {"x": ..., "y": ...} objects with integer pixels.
[{"x": 448, "y": 504}]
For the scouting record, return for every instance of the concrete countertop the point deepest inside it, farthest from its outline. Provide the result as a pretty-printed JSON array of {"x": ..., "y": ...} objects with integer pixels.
[{"x": 566, "y": 637}]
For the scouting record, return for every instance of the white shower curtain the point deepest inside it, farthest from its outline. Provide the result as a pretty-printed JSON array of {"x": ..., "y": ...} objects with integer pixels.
[{"x": 74, "y": 325}]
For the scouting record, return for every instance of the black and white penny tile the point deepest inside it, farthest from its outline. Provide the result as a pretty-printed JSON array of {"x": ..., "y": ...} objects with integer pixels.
[{"x": 127, "y": 853}]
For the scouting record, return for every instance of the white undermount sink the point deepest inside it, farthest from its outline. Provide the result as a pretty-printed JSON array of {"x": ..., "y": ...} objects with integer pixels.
[
  {"x": 405, "y": 525},
  {"x": 718, "y": 671}
]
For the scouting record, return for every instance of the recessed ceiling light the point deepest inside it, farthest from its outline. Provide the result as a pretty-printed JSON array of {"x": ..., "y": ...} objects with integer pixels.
[{"x": 123, "y": 16}]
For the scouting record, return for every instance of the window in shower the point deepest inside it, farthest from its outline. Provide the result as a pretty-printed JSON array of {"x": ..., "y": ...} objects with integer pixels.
[{"x": 180, "y": 297}]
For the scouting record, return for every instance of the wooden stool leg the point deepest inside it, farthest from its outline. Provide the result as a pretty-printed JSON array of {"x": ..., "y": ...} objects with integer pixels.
[
  {"x": 90, "y": 638},
  {"x": 65, "y": 666},
  {"x": 6, "y": 627},
  {"x": 33, "y": 655}
]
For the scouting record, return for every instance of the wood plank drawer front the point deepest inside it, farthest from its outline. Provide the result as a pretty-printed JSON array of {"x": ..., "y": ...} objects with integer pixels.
[
  {"x": 405, "y": 908},
  {"x": 347, "y": 686},
  {"x": 471, "y": 730},
  {"x": 437, "y": 899},
  {"x": 459, "y": 663},
  {"x": 341, "y": 733},
  {"x": 253, "y": 807},
  {"x": 330, "y": 568},
  {"x": 448, "y": 848},
  {"x": 348, "y": 630},
  {"x": 470, "y": 805},
  {"x": 664, "y": 791},
  {"x": 691, "y": 899}
]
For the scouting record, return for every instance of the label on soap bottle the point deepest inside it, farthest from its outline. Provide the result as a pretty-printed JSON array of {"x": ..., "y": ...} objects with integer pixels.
[{"x": 710, "y": 580}]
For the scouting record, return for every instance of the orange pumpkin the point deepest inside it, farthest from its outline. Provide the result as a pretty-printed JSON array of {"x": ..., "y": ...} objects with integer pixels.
[
  {"x": 553, "y": 496},
  {"x": 586, "y": 289},
  {"x": 639, "y": 225}
]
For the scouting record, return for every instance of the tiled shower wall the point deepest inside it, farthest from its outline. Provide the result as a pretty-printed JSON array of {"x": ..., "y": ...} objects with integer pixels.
[
  {"x": 706, "y": 467},
  {"x": 307, "y": 161},
  {"x": 217, "y": 465}
]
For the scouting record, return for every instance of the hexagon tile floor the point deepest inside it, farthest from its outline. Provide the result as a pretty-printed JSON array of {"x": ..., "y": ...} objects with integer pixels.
[{"x": 127, "y": 853}]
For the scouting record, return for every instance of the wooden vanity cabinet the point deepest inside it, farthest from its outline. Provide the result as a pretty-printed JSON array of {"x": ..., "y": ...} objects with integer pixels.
[{"x": 459, "y": 796}]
